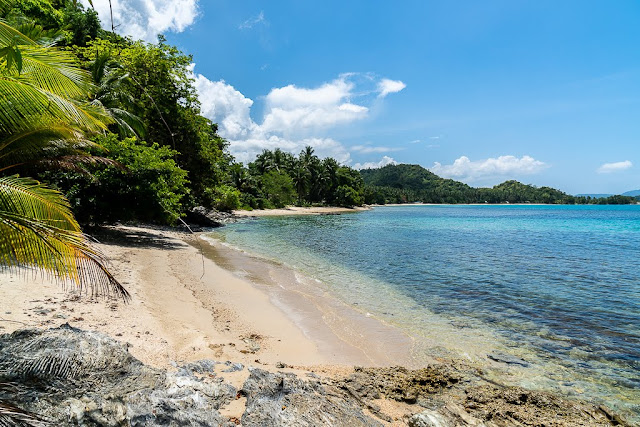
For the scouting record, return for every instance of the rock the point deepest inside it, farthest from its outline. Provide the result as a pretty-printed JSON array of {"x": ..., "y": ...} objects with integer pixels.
[
  {"x": 86, "y": 378},
  {"x": 204, "y": 217},
  {"x": 253, "y": 346},
  {"x": 401, "y": 384},
  {"x": 281, "y": 365},
  {"x": 508, "y": 359},
  {"x": 286, "y": 400},
  {"x": 428, "y": 418},
  {"x": 233, "y": 367},
  {"x": 83, "y": 378}
]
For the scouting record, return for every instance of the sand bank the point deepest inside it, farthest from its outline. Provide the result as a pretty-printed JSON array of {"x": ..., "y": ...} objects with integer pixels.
[{"x": 296, "y": 210}]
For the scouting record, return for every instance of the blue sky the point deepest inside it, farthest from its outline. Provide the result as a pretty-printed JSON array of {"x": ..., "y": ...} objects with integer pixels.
[{"x": 546, "y": 92}]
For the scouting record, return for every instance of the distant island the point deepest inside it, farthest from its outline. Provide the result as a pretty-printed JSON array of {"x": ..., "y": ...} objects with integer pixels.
[
  {"x": 404, "y": 183},
  {"x": 632, "y": 193}
]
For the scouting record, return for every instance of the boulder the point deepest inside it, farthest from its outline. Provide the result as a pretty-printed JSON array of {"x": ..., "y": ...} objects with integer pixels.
[
  {"x": 203, "y": 217},
  {"x": 279, "y": 399}
]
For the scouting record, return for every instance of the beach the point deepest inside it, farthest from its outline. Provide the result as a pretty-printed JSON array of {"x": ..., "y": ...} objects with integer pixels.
[
  {"x": 194, "y": 299},
  {"x": 185, "y": 307},
  {"x": 296, "y": 210}
]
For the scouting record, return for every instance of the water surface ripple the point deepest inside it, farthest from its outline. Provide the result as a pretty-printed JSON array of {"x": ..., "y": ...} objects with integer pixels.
[{"x": 561, "y": 284}]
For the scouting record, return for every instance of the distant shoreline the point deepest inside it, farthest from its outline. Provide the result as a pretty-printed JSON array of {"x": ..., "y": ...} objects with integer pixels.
[
  {"x": 296, "y": 210},
  {"x": 336, "y": 210}
]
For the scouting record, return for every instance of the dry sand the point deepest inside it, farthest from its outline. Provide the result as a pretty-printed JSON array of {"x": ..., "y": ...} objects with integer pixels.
[
  {"x": 185, "y": 307},
  {"x": 296, "y": 210},
  {"x": 193, "y": 300}
]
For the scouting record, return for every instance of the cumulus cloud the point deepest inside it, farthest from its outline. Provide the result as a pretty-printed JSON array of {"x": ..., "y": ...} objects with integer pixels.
[
  {"x": 145, "y": 19},
  {"x": 614, "y": 167},
  {"x": 503, "y": 166},
  {"x": 365, "y": 149},
  {"x": 252, "y": 22},
  {"x": 245, "y": 150},
  {"x": 225, "y": 106},
  {"x": 386, "y": 160},
  {"x": 387, "y": 86},
  {"x": 294, "y": 117},
  {"x": 294, "y": 110}
]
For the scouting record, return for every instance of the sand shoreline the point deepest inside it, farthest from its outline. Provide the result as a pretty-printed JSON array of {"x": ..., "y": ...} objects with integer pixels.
[
  {"x": 195, "y": 300},
  {"x": 297, "y": 210},
  {"x": 187, "y": 307}
]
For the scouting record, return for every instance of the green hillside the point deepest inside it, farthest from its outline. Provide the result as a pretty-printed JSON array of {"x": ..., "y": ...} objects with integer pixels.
[{"x": 405, "y": 183}]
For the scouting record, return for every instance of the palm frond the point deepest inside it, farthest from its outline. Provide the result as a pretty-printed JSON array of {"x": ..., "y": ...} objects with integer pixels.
[
  {"x": 23, "y": 107},
  {"x": 55, "y": 71},
  {"x": 37, "y": 229},
  {"x": 128, "y": 124},
  {"x": 35, "y": 32},
  {"x": 12, "y": 416},
  {"x": 76, "y": 162},
  {"x": 8, "y": 34},
  {"x": 31, "y": 144}
]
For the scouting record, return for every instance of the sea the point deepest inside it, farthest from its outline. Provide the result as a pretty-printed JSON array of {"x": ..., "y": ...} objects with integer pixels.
[{"x": 550, "y": 293}]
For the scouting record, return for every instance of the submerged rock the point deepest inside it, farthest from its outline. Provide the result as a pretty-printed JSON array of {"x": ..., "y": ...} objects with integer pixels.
[{"x": 508, "y": 359}]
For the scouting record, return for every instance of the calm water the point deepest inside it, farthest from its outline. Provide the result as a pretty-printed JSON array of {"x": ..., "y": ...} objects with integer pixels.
[{"x": 558, "y": 286}]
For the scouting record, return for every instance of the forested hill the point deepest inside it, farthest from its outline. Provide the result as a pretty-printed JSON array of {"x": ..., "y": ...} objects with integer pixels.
[{"x": 405, "y": 183}]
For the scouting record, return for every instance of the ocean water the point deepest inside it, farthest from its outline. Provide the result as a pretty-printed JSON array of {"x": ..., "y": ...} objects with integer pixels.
[{"x": 555, "y": 286}]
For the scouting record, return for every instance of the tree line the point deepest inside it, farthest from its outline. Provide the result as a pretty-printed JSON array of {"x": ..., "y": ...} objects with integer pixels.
[
  {"x": 405, "y": 183},
  {"x": 165, "y": 157}
]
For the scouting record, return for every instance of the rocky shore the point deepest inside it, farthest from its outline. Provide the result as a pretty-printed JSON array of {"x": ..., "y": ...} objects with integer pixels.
[{"x": 67, "y": 376}]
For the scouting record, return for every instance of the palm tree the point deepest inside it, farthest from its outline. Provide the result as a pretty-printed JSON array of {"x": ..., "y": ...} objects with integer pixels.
[
  {"x": 301, "y": 181},
  {"x": 43, "y": 114},
  {"x": 111, "y": 80}
]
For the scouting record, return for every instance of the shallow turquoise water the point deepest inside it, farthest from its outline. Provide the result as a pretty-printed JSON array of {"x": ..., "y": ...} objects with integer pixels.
[{"x": 558, "y": 284}]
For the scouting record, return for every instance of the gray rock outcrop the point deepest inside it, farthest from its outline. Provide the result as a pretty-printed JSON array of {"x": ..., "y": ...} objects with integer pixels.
[
  {"x": 69, "y": 377},
  {"x": 203, "y": 217},
  {"x": 74, "y": 377},
  {"x": 280, "y": 399}
]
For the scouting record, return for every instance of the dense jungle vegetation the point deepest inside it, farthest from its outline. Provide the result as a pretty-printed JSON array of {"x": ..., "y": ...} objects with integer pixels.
[
  {"x": 155, "y": 156},
  {"x": 412, "y": 183}
]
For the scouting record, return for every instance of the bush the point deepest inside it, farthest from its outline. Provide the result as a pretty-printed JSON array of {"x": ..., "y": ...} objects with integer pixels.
[
  {"x": 227, "y": 198},
  {"x": 148, "y": 186}
]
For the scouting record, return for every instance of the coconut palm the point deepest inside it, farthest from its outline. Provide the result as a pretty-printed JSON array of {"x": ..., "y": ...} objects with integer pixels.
[
  {"x": 43, "y": 115},
  {"x": 111, "y": 81}
]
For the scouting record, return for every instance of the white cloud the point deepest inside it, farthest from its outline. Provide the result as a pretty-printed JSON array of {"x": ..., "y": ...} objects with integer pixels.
[
  {"x": 246, "y": 150},
  {"x": 370, "y": 149},
  {"x": 145, "y": 19},
  {"x": 252, "y": 22},
  {"x": 466, "y": 170},
  {"x": 294, "y": 117},
  {"x": 386, "y": 160},
  {"x": 226, "y": 106},
  {"x": 292, "y": 110},
  {"x": 387, "y": 86},
  {"x": 614, "y": 167},
  {"x": 415, "y": 141}
]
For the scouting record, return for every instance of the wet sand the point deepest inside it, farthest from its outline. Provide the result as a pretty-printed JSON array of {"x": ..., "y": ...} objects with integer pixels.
[{"x": 195, "y": 300}]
